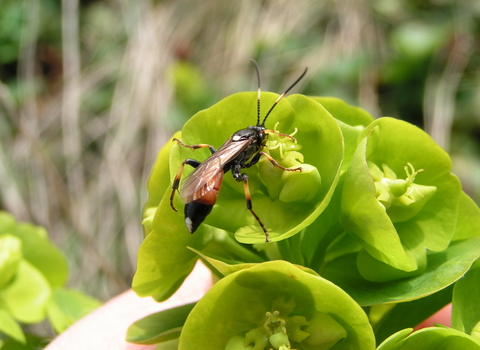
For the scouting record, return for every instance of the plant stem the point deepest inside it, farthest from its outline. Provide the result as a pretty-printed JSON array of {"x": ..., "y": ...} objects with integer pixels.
[
  {"x": 231, "y": 245},
  {"x": 291, "y": 249},
  {"x": 319, "y": 255}
]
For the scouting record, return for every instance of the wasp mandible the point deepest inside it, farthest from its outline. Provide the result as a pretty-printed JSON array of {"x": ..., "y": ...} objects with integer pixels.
[{"x": 199, "y": 190}]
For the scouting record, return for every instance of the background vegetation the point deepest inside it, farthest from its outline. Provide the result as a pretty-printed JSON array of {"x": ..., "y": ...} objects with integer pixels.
[{"x": 90, "y": 91}]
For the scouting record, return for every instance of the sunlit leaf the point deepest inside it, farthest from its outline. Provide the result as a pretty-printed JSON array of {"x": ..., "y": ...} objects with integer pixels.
[
  {"x": 26, "y": 297},
  {"x": 159, "y": 327},
  {"x": 10, "y": 257},
  {"x": 67, "y": 306},
  {"x": 466, "y": 298},
  {"x": 10, "y": 327},
  {"x": 238, "y": 303},
  {"x": 430, "y": 339},
  {"x": 443, "y": 269}
]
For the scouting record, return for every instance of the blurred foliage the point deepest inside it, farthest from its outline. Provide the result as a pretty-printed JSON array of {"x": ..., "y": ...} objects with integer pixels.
[
  {"x": 33, "y": 273},
  {"x": 84, "y": 109}
]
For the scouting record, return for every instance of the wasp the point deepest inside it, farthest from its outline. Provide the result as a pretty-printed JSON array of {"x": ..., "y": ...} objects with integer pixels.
[{"x": 199, "y": 190}]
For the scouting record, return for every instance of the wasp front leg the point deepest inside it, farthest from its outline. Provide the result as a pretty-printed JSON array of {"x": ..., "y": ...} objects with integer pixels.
[
  {"x": 176, "y": 182},
  {"x": 293, "y": 139},
  {"x": 274, "y": 162},
  {"x": 270, "y": 158}
]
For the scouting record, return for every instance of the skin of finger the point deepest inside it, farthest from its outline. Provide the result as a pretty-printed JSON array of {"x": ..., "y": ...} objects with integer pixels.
[
  {"x": 105, "y": 328},
  {"x": 442, "y": 317}
]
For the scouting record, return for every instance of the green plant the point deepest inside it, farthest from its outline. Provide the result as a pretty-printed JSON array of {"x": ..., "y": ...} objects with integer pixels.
[
  {"x": 377, "y": 213},
  {"x": 33, "y": 274}
]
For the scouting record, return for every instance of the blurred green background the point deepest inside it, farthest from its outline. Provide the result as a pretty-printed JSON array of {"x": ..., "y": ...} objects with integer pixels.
[{"x": 90, "y": 91}]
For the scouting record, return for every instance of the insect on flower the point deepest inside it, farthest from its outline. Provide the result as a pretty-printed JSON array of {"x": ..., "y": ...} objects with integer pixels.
[{"x": 199, "y": 190}]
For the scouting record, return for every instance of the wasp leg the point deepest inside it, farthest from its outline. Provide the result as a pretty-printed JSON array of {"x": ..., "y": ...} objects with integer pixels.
[
  {"x": 244, "y": 177},
  {"x": 254, "y": 161},
  {"x": 193, "y": 163},
  {"x": 200, "y": 145},
  {"x": 274, "y": 162},
  {"x": 248, "y": 199},
  {"x": 282, "y": 135}
]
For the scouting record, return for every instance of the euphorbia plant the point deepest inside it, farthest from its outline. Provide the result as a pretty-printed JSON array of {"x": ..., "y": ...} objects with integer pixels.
[
  {"x": 33, "y": 274},
  {"x": 376, "y": 212},
  {"x": 276, "y": 304}
]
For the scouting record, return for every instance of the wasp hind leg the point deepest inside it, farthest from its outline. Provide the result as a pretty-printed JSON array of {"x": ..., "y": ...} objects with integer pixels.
[
  {"x": 176, "y": 182},
  {"x": 248, "y": 199}
]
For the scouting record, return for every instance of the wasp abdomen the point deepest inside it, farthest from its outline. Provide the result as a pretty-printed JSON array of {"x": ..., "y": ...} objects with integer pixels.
[
  {"x": 197, "y": 210},
  {"x": 195, "y": 213}
]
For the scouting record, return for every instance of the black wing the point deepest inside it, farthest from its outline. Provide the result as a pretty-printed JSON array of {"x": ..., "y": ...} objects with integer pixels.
[{"x": 204, "y": 177}]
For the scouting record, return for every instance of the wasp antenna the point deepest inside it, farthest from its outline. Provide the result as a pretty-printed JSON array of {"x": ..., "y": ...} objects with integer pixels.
[
  {"x": 283, "y": 94},
  {"x": 258, "y": 89}
]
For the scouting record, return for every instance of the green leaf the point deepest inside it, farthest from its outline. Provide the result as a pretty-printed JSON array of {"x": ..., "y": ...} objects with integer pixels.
[
  {"x": 350, "y": 115},
  {"x": 352, "y": 120},
  {"x": 32, "y": 343},
  {"x": 392, "y": 144},
  {"x": 37, "y": 249},
  {"x": 159, "y": 327},
  {"x": 10, "y": 327},
  {"x": 41, "y": 253},
  {"x": 26, "y": 297},
  {"x": 351, "y": 134},
  {"x": 363, "y": 216},
  {"x": 66, "y": 306},
  {"x": 10, "y": 257},
  {"x": 466, "y": 298},
  {"x": 163, "y": 258},
  {"x": 409, "y": 314},
  {"x": 468, "y": 218},
  {"x": 168, "y": 345},
  {"x": 443, "y": 269},
  {"x": 224, "y": 268},
  {"x": 418, "y": 39},
  {"x": 318, "y": 237},
  {"x": 430, "y": 339},
  {"x": 159, "y": 180},
  {"x": 238, "y": 304}
]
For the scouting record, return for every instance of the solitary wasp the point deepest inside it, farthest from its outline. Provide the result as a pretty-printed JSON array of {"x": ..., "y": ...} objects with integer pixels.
[{"x": 242, "y": 150}]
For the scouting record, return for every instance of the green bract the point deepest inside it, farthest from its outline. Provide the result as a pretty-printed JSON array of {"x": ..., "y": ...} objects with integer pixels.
[
  {"x": 276, "y": 304},
  {"x": 466, "y": 298},
  {"x": 399, "y": 198},
  {"x": 430, "y": 339},
  {"x": 30, "y": 267},
  {"x": 31, "y": 271}
]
